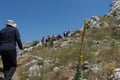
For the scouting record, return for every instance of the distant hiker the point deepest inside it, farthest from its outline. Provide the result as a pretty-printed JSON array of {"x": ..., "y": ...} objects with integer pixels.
[
  {"x": 9, "y": 36},
  {"x": 52, "y": 38},
  {"x": 42, "y": 41},
  {"x": 58, "y": 37},
  {"x": 65, "y": 34},
  {"x": 48, "y": 39}
]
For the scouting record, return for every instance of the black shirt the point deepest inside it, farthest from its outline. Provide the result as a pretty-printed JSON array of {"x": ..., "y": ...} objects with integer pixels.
[{"x": 8, "y": 38}]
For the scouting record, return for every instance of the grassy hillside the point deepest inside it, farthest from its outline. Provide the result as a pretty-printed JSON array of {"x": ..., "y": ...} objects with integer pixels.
[{"x": 101, "y": 49}]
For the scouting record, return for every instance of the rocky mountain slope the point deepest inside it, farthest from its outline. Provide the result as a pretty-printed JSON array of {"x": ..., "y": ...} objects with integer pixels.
[
  {"x": 101, "y": 50},
  {"x": 58, "y": 59}
]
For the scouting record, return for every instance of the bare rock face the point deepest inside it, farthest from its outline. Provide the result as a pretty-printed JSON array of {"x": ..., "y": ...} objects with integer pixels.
[
  {"x": 115, "y": 5},
  {"x": 115, "y": 9}
]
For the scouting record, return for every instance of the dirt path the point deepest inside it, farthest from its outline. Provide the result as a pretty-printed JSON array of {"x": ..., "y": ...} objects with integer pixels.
[
  {"x": 20, "y": 60},
  {"x": 16, "y": 77}
]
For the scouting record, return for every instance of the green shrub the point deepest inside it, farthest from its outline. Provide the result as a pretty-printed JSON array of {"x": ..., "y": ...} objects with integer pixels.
[{"x": 34, "y": 43}]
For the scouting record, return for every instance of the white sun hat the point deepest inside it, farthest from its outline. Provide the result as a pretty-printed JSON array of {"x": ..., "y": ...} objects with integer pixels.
[{"x": 11, "y": 23}]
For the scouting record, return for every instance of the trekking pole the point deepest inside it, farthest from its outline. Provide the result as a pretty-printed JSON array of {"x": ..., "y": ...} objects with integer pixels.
[{"x": 78, "y": 75}]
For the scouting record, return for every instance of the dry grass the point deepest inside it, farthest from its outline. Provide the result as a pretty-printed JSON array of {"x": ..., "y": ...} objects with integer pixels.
[{"x": 108, "y": 55}]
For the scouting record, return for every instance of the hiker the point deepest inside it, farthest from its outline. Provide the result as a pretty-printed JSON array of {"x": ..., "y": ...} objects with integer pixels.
[
  {"x": 52, "y": 38},
  {"x": 65, "y": 34},
  {"x": 42, "y": 41},
  {"x": 9, "y": 36}
]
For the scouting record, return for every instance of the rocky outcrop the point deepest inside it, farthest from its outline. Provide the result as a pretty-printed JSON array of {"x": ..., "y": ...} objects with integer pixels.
[
  {"x": 115, "y": 5},
  {"x": 115, "y": 9}
]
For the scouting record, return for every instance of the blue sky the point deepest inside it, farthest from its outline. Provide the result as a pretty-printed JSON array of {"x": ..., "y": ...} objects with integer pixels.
[{"x": 38, "y": 18}]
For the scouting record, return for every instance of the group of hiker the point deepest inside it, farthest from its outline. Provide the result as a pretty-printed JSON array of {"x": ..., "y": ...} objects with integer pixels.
[{"x": 50, "y": 39}]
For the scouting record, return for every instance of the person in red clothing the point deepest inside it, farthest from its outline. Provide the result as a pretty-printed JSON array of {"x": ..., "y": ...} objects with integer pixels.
[{"x": 9, "y": 36}]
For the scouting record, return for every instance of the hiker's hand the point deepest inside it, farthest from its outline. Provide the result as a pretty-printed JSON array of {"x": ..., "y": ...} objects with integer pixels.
[{"x": 20, "y": 52}]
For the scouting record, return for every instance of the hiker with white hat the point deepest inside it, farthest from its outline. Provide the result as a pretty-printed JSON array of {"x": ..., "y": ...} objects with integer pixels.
[{"x": 9, "y": 36}]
